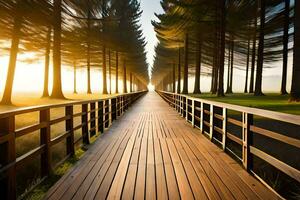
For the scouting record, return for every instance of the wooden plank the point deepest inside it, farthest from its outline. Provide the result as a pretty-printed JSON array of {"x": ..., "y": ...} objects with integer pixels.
[
  {"x": 182, "y": 180},
  {"x": 150, "y": 174},
  {"x": 128, "y": 191},
  {"x": 195, "y": 183},
  {"x": 140, "y": 184},
  {"x": 84, "y": 185},
  {"x": 115, "y": 191},
  {"x": 161, "y": 184},
  {"x": 173, "y": 191}
]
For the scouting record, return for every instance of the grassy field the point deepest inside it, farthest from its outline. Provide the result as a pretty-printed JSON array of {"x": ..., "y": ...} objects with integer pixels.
[{"x": 274, "y": 102}]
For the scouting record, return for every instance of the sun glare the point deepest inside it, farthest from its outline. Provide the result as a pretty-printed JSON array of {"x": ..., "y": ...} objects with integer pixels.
[{"x": 151, "y": 87}]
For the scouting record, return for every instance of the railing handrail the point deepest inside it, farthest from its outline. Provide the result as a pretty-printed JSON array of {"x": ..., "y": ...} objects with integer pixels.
[
  {"x": 212, "y": 119},
  {"x": 96, "y": 116},
  {"x": 289, "y": 118},
  {"x": 27, "y": 109}
]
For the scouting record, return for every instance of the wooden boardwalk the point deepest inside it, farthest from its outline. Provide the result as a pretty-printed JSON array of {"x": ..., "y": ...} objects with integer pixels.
[{"x": 153, "y": 153}]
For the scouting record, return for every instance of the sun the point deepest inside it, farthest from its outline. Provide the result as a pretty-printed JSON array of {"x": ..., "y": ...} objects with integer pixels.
[{"x": 151, "y": 87}]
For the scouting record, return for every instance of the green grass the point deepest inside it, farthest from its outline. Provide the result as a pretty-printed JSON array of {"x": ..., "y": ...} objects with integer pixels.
[
  {"x": 40, "y": 190},
  {"x": 274, "y": 102}
]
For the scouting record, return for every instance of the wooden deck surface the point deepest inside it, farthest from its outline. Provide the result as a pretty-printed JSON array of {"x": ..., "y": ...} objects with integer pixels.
[{"x": 153, "y": 153}]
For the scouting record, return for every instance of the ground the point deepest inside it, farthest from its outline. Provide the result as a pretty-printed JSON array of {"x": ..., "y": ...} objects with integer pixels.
[{"x": 271, "y": 101}]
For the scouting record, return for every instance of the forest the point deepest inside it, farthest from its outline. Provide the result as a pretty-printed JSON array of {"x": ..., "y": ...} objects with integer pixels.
[
  {"x": 214, "y": 38},
  {"x": 103, "y": 35}
]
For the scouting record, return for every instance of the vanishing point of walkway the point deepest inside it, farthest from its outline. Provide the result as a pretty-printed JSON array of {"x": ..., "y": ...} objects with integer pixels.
[{"x": 153, "y": 153}]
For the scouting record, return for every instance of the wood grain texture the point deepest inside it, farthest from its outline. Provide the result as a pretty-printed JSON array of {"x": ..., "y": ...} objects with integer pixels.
[{"x": 153, "y": 153}]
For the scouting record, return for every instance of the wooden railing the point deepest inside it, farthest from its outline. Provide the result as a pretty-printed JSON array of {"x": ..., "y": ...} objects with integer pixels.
[
  {"x": 95, "y": 116},
  {"x": 213, "y": 120}
]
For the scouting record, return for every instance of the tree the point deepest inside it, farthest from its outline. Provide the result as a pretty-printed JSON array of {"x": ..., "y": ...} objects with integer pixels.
[
  {"x": 260, "y": 59},
  {"x": 295, "y": 91},
  {"x": 285, "y": 41},
  {"x": 57, "y": 21}
]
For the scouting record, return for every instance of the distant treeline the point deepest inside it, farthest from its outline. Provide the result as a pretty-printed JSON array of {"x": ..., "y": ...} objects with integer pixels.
[
  {"x": 205, "y": 36},
  {"x": 80, "y": 33}
]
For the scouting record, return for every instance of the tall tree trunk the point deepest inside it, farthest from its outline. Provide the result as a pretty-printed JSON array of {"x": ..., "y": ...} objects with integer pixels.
[
  {"x": 6, "y": 99},
  {"x": 260, "y": 59},
  {"x": 231, "y": 67},
  {"x": 174, "y": 78},
  {"x": 295, "y": 91},
  {"x": 117, "y": 72},
  {"x": 130, "y": 81},
  {"x": 213, "y": 74},
  {"x": 57, "y": 83},
  {"x": 179, "y": 72},
  {"x": 186, "y": 65},
  {"x": 104, "y": 71},
  {"x": 75, "y": 78},
  {"x": 109, "y": 70},
  {"x": 228, "y": 68},
  {"x": 247, "y": 66},
  {"x": 285, "y": 46},
  {"x": 222, "y": 48},
  {"x": 47, "y": 63},
  {"x": 89, "y": 90},
  {"x": 251, "y": 89},
  {"x": 124, "y": 78},
  {"x": 198, "y": 67}
]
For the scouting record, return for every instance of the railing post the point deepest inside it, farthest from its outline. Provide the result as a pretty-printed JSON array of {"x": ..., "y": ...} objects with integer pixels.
[
  {"x": 211, "y": 130},
  {"x": 70, "y": 129},
  {"x": 7, "y": 127},
  {"x": 186, "y": 109},
  {"x": 193, "y": 113},
  {"x": 114, "y": 108},
  {"x": 201, "y": 116},
  {"x": 45, "y": 139},
  {"x": 247, "y": 141},
  {"x": 110, "y": 112},
  {"x": 100, "y": 117},
  {"x": 224, "y": 136},
  {"x": 122, "y": 105},
  {"x": 93, "y": 119},
  {"x": 117, "y": 107},
  {"x": 85, "y": 125},
  {"x": 181, "y": 106},
  {"x": 106, "y": 114}
]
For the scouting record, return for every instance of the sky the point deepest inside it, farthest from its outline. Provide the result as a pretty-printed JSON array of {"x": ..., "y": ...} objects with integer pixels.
[{"x": 150, "y": 7}]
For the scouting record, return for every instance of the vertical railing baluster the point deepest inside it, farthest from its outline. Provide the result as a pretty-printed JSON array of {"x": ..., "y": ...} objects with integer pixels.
[
  {"x": 193, "y": 113},
  {"x": 201, "y": 116},
  {"x": 93, "y": 119},
  {"x": 70, "y": 129},
  {"x": 110, "y": 112},
  {"x": 106, "y": 114},
  {"x": 85, "y": 125},
  {"x": 247, "y": 141},
  {"x": 7, "y": 127},
  {"x": 224, "y": 136},
  {"x": 187, "y": 109},
  {"x": 211, "y": 121},
  {"x": 100, "y": 117},
  {"x": 45, "y": 139}
]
